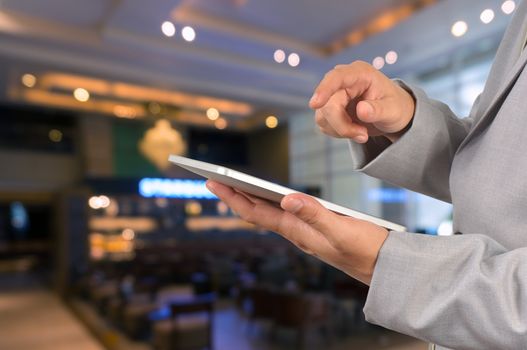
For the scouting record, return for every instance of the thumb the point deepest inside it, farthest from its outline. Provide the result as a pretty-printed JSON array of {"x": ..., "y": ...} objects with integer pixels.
[
  {"x": 309, "y": 210},
  {"x": 373, "y": 111}
]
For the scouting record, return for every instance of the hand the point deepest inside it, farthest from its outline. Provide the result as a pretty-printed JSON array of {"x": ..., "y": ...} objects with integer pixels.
[
  {"x": 348, "y": 244},
  {"x": 357, "y": 101}
]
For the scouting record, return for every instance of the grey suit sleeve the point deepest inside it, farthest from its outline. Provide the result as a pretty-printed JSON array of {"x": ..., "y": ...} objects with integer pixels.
[
  {"x": 421, "y": 159},
  {"x": 462, "y": 292}
]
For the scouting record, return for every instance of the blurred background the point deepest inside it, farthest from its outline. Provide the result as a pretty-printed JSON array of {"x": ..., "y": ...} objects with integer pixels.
[{"x": 104, "y": 245}]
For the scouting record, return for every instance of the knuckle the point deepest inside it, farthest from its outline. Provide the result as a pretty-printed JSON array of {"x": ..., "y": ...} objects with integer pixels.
[
  {"x": 312, "y": 217},
  {"x": 281, "y": 226},
  {"x": 324, "y": 130},
  {"x": 347, "y": 133},
  {"x": 302, "y": 246},
  {"x": 319, "y": 118},
  {"x": 340, "y": 245},
  {"x": 247, "y": 216},
  {"x": 364, "y": 66},
  {"x": 360, "y": 64}
]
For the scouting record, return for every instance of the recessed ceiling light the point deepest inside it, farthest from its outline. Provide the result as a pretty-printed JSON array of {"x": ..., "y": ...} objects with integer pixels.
[
  {"x": 293, "y": 59},
  {"x": 391, "y": 57},
  {"x": 486, "y": 16},
  {"x": 55, "y": 135},
  {"x": 188, "y": 33},
  {"x": 29, "y": 80},
  {"x": 154, "y": 108},
  {"x": 271, "y": 122},
  {"x": 508, "y": 7},
  {"x": 213, "y": 113},
  {"x": 459, "y": 28},
  {"x": 123, "y": 111},
  {"x": 81, "y": 94},
  {"x": 128, "y": 234},
  {"x": 378, "y": 62},
  {"x": 220, "y": 123},
  {"x": 279, "y": 56},
  {"x": 168, "y": 28}
]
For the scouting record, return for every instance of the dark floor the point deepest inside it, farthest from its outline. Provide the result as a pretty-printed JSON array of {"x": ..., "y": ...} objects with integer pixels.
[{"x": 33, "y": 318}]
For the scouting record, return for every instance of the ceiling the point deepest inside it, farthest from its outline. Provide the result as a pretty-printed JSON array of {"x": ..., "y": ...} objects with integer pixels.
[{"x": 230, "y": 63}]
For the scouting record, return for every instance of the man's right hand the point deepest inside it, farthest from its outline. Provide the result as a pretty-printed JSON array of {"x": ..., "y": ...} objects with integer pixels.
[{"x": 357, "y": 101}]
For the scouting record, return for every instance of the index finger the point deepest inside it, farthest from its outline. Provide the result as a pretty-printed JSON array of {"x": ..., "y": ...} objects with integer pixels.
[{"x": 354, "y": 77}]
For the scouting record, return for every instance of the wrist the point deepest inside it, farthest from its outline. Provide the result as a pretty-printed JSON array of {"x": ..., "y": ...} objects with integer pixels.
[
  {"x": 397, "y": 135},
  {"x": 363, "y": 266},
  {"x": 408, "y": 112}
]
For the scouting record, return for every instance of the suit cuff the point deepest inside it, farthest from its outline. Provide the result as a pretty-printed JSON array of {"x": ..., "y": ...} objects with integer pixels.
[{"x": 391, "y": 289}]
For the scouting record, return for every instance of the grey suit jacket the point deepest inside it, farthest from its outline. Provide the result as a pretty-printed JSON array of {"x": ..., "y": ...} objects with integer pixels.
[{"x": 467, "y": 291}]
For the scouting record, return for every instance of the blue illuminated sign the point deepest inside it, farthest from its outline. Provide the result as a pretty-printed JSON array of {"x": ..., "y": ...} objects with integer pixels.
[
  {"x": 387, "y": 195},
  {"x": 174, "y": 188}
]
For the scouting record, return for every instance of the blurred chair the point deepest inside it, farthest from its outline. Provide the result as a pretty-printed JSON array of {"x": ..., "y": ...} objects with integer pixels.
[
  {"x": 302, "y": 312},
  {"x": 190, "y": 325},
  {"x": 102, "y": 293},
  {"x": 261, "y": 306},
  {"x": 137, "y": 313},
  {"x": 350, "y": 297},
  {"x": 174, "y": 293},
  {"x": 136, "y": 318}
]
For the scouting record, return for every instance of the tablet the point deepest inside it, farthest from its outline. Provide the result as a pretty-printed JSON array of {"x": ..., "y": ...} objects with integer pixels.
[{"x": 265, "y": 189}]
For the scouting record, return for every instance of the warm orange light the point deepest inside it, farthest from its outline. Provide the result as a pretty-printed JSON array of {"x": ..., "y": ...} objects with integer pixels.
[
  {"x": 385, "y": 21},
  {"x": 220, "y": 123},
  {"x": 81, "y": 94},
  {"x": 140, "y": 94},
  {"x": 271, "y": 122},
  {"x": 55, "y": 135},
  {"x": 29, "y": 80},
  {"x": 213, "y": 113},
  {"x": 122, "y": 111}
]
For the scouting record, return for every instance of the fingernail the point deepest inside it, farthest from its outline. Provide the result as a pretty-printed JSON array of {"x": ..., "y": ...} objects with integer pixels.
[
  {"x": 361, "y": 138},
  {"x": 293, "y": 205},
  {"x": 314, "y": 98},
  {"x": 210, "y": 186}
]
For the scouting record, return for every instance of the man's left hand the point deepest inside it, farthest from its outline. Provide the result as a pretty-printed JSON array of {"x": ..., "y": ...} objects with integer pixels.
[{"x": 349, "y": 244}]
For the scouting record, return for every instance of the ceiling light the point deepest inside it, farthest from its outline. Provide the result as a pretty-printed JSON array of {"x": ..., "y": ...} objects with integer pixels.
[
  {"x": 128, "y": 234},
  {"x": 94, "y": 202},
  {"x": 378, "y": 62},
  {"x": 104, "y": 201},
  {"x": 293, "y": 59},
  {"x": 459, "y": 28},
  {"x": 279, "y": 56},
  {"x": 81, "y": 94},
  {"x": 55, "y": 135},
  {"x": 391, "y": 57},
  {"x": 213, "y": 113},
  {"x": 168, "y": 28},
  {"x": 98, "y": 202},
  {"x": 154, "y": 108},
  {"x": 188, "y": 33},
  {"x": 271, "y": 122},
  {"x": 487, "y": 16},
  {"x": 29, "y": 80},
  {"x": 122, "y": 111},
  {"x": 220, "y": 123},
  {"x": 508, "y": 7}
]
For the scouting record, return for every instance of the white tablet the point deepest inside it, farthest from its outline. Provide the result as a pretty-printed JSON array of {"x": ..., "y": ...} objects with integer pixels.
[{"x": 265, "y": 189}]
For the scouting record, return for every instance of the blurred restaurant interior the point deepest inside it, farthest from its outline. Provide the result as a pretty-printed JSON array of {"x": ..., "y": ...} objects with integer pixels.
[{"x": 105, "y": 245}]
